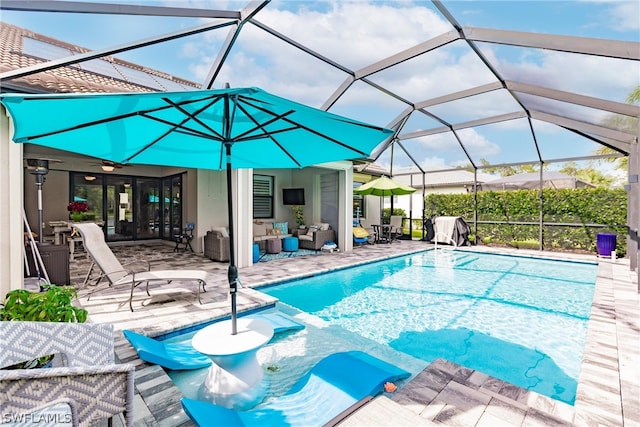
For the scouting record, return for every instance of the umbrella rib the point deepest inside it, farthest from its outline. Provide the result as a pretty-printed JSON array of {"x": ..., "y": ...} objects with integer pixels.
[
  {"x": 176, "y": 127},
  {"x": 313, "y": 131},
  {"x": 143, "y": 113},
  {"x": 86, "y": 125},
  {"x": 179, "y": 127},
  {"x": 260, "y": 127},
  {"x": 194, "y": 117}
]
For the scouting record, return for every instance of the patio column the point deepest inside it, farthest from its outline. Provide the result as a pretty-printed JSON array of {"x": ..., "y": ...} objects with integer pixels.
[
  {"x": 345, "y": 209},
  {"x": 243, "y": 210},
  {"x": 11, "y": 194},
  {"x": 633, "y": 210}
]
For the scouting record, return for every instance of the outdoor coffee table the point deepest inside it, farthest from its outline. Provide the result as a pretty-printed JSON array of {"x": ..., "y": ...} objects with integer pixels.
[{"x": 234, "y": 379}]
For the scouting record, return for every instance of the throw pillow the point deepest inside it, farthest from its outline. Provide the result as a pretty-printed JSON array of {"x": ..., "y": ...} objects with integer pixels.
[
  {"x": 259, "y": 229},
  {"x": 222, "y": 230},
  {"x": 283, "y": 226}
]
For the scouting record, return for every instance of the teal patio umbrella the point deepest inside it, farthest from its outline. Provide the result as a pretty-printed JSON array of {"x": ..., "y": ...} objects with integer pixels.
[{"x": 210, "y": 129}]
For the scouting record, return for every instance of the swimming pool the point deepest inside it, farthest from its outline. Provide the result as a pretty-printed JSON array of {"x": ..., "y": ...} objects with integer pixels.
[{"x": 519, "y": 319}]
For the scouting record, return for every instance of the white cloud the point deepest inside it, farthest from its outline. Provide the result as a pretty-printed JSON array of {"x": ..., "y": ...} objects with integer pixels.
[
  {"x": 477, "y": 144},
  {"x": 608, "y": 78},
  {"x": 353, "y": 34},
  {"x": 625, "y": 16}
]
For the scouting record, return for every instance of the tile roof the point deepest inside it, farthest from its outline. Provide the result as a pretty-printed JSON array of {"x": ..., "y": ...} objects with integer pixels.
[{"x": 75, "y": 78}]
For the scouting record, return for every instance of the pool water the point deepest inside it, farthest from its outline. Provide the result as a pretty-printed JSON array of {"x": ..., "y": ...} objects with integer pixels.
[
  {"x": 519, "y": 319},
  {"x": 291, "y": 354},
  {"x": 522, "y": 320}
]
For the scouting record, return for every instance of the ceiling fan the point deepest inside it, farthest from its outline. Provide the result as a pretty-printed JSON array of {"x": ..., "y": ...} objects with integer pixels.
[{"x": 109, "y": 166}]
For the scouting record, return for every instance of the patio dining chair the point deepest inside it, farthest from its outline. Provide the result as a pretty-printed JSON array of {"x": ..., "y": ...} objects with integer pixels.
[
  {"x": 184, "y": 238},
  {"x": 396, "y": 227},
  {"x": 116, "y": 274}
]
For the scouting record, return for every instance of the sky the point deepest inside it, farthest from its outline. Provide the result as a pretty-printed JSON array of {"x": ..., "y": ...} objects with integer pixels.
[{"x": 356, "y": 34}]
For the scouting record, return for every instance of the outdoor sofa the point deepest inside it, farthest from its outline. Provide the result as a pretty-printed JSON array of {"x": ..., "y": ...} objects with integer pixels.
[{"x": 266, "y": 230}]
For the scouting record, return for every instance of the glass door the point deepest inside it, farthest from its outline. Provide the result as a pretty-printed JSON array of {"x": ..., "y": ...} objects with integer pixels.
[
  {"x": 172, "y": 206},
  {"x": 149, "y": 206},
  {"x": 88, "y": 189},
  {"x": 119, "y": 202},
  {"x": 131, "y": 208}
]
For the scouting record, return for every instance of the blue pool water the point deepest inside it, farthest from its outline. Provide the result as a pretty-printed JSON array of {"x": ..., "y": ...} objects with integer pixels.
[{"x": 519, "y": 319}]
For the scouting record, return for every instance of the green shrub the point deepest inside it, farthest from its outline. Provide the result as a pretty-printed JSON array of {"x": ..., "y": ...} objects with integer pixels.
[
  {"x": 581, "y": 206},
  {"x": 52, "y": 305}
]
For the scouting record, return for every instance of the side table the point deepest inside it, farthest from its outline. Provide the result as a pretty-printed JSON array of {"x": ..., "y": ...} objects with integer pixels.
[
  {"x": 235, "y": 378},
  {"x": 274, "y": 246}
]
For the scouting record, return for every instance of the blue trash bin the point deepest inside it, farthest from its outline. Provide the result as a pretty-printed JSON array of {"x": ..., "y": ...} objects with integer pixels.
[
  {"x": 256, "y": 253},
  {"x": 606, "y": 243}
]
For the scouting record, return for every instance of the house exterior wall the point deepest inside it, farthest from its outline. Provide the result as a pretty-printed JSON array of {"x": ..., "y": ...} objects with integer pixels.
[{"x": 11, "y": 203}]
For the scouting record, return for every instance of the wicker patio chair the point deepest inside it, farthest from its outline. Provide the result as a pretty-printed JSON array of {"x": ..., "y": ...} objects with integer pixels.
[
  {"x": 216, "y": 246},
  {"x": 314, "y": 240},
  {"x": 89, "y": 377}
]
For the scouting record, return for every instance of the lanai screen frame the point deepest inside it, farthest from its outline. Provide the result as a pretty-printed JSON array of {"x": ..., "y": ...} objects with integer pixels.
[{"x": 620, "y": 141}]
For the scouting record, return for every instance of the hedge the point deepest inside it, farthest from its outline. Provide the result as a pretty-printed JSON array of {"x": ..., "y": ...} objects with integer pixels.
[{"x": 585, "y": 206}]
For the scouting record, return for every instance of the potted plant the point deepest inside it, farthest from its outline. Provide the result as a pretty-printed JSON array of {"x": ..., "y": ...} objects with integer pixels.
[
  {"x": 298, "y": 213},
  {"x": 54, "y": 304},
  {"x": 77, "y": 210}
]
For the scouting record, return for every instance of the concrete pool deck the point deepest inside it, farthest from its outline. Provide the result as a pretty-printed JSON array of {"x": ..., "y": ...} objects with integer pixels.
[{"x": 443, "y": 394}]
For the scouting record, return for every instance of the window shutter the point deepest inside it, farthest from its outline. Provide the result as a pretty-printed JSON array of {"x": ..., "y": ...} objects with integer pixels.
[{"x": 262, "y": 196}]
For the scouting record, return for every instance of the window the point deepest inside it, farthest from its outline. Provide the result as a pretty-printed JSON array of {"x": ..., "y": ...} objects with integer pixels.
[
  {"x": 262, "y": 196},
  {"x": 358, "y": 203}
]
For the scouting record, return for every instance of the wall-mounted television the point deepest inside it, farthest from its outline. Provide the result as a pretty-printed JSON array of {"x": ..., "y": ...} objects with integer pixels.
[{"x": 293, "y": 196}]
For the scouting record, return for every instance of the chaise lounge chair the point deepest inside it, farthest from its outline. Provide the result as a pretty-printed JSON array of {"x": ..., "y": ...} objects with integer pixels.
[
  {"x": 280, "y": 321},
  {"x": 114, "y": 272},
  {"x": 169, "y": 355},
  {"x": 323, "y": 396}
]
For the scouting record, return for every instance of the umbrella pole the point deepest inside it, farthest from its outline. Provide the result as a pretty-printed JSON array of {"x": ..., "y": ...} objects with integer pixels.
[{"x": 232, "y": 274}]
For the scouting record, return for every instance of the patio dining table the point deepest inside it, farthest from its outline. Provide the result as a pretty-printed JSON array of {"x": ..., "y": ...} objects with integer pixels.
[
  {"x": 60, "y": 231},
  {"x": 382, "y": 233}
]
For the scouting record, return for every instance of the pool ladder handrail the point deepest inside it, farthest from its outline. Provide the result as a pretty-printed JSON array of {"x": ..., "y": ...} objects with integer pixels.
[{"x": 440, "y": 233}]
